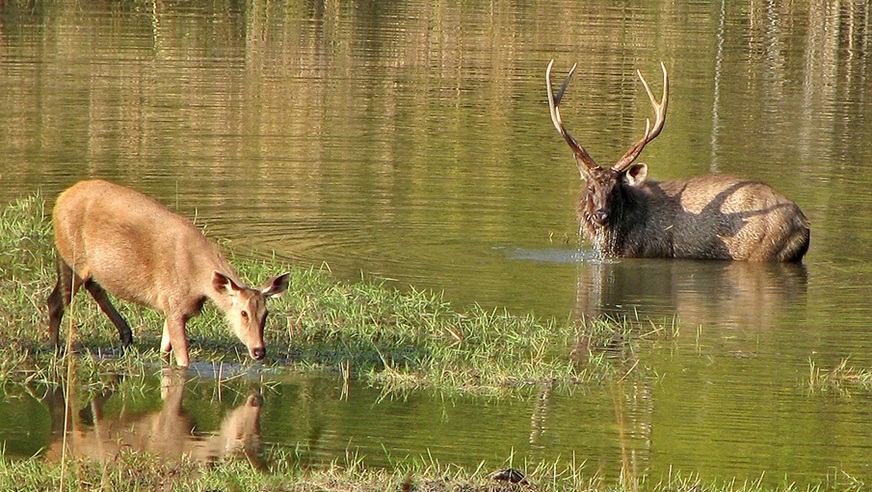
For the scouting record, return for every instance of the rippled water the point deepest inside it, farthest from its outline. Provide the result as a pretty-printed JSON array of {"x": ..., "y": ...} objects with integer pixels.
[{"x": 411, "y": 141}]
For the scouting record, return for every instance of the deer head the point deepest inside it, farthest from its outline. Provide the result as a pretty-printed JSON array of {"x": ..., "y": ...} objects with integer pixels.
[{"x": 598, "y": 205}]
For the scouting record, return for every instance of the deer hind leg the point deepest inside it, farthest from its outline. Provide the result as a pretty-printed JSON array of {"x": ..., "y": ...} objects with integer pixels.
[
  {"x": 102, "y": 299},
  {"x": 67, "y": 286},
  {"x": 797, "y": 245}
]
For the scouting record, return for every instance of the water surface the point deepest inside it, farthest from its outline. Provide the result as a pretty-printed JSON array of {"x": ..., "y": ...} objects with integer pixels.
[{"x": 411, "y": 141}]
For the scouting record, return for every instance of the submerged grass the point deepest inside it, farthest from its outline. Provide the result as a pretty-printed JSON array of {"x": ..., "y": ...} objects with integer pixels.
[
  {"x": 398, "y": 339},
  {"x": 840, "y": 379}
]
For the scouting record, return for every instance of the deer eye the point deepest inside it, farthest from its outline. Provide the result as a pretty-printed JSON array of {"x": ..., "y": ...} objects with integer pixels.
[{"x": 244, "y": 314}]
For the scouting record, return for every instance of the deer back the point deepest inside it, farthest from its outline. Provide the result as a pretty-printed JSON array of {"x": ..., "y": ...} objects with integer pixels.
[
  {"x": 135, "y": 247},
  {"x": 710, "y": 216}
]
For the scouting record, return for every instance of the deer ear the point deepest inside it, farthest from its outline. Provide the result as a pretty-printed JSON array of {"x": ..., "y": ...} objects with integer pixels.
[
  {"x": 223, "y": 283},
  {"x": 276, "y": 286},
  {"x": 636, "y": 175}
]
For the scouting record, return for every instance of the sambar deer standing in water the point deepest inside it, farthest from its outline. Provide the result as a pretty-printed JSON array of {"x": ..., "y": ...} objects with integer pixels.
[
  {"x": 113, "y": 239},
  {"x": 713, "y": 216}
]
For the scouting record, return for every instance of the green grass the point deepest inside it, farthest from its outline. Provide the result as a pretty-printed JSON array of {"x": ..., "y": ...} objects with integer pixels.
[
  {"x": 133, "y": 472},
  {"x": 398, "y": 339}
]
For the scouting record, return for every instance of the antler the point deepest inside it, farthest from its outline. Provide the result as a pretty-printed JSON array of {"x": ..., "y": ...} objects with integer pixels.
[
  {"x": 650, "y": 133},
  {"x": 581, "y": 155}
]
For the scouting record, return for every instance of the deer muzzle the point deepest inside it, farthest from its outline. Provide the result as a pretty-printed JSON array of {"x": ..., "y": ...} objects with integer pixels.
[
  {"x": 258, "y": 353},
  {"x": 600, "y": 217}
]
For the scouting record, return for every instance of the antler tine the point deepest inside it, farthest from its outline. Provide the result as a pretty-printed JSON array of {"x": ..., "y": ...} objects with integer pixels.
[
  {"x": 581, "y": 155},
  {"x": 659, "y": 119}
]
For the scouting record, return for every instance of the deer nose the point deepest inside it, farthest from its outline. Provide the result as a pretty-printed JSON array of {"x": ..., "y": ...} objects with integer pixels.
[
  {"x": 258, "y": 353},
  {"x": 601, "y": 216}
]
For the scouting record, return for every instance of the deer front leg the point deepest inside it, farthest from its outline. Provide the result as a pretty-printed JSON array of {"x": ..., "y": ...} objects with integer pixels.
[
  {"x": 165, "y": 345},
  {"x": 175, "y": 339}
]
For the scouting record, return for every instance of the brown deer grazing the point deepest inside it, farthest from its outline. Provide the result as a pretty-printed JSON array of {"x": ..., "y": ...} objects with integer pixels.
[
  {"x": 711, "y": 216},
  {"x": 113, "y": 239}
]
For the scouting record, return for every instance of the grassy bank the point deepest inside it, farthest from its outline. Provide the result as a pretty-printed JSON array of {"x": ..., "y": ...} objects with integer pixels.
[{"x": 392, "y": 338}]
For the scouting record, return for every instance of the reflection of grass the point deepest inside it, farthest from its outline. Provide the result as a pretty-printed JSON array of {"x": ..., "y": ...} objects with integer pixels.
[
  {"x": 397, "y": 339},
  {"x": 840, "y": 378}
]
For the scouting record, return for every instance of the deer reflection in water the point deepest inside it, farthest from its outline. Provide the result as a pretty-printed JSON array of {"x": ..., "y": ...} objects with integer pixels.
[
  {"x": 170, "y": 432},
  {"x": 719, "y": 294}
]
